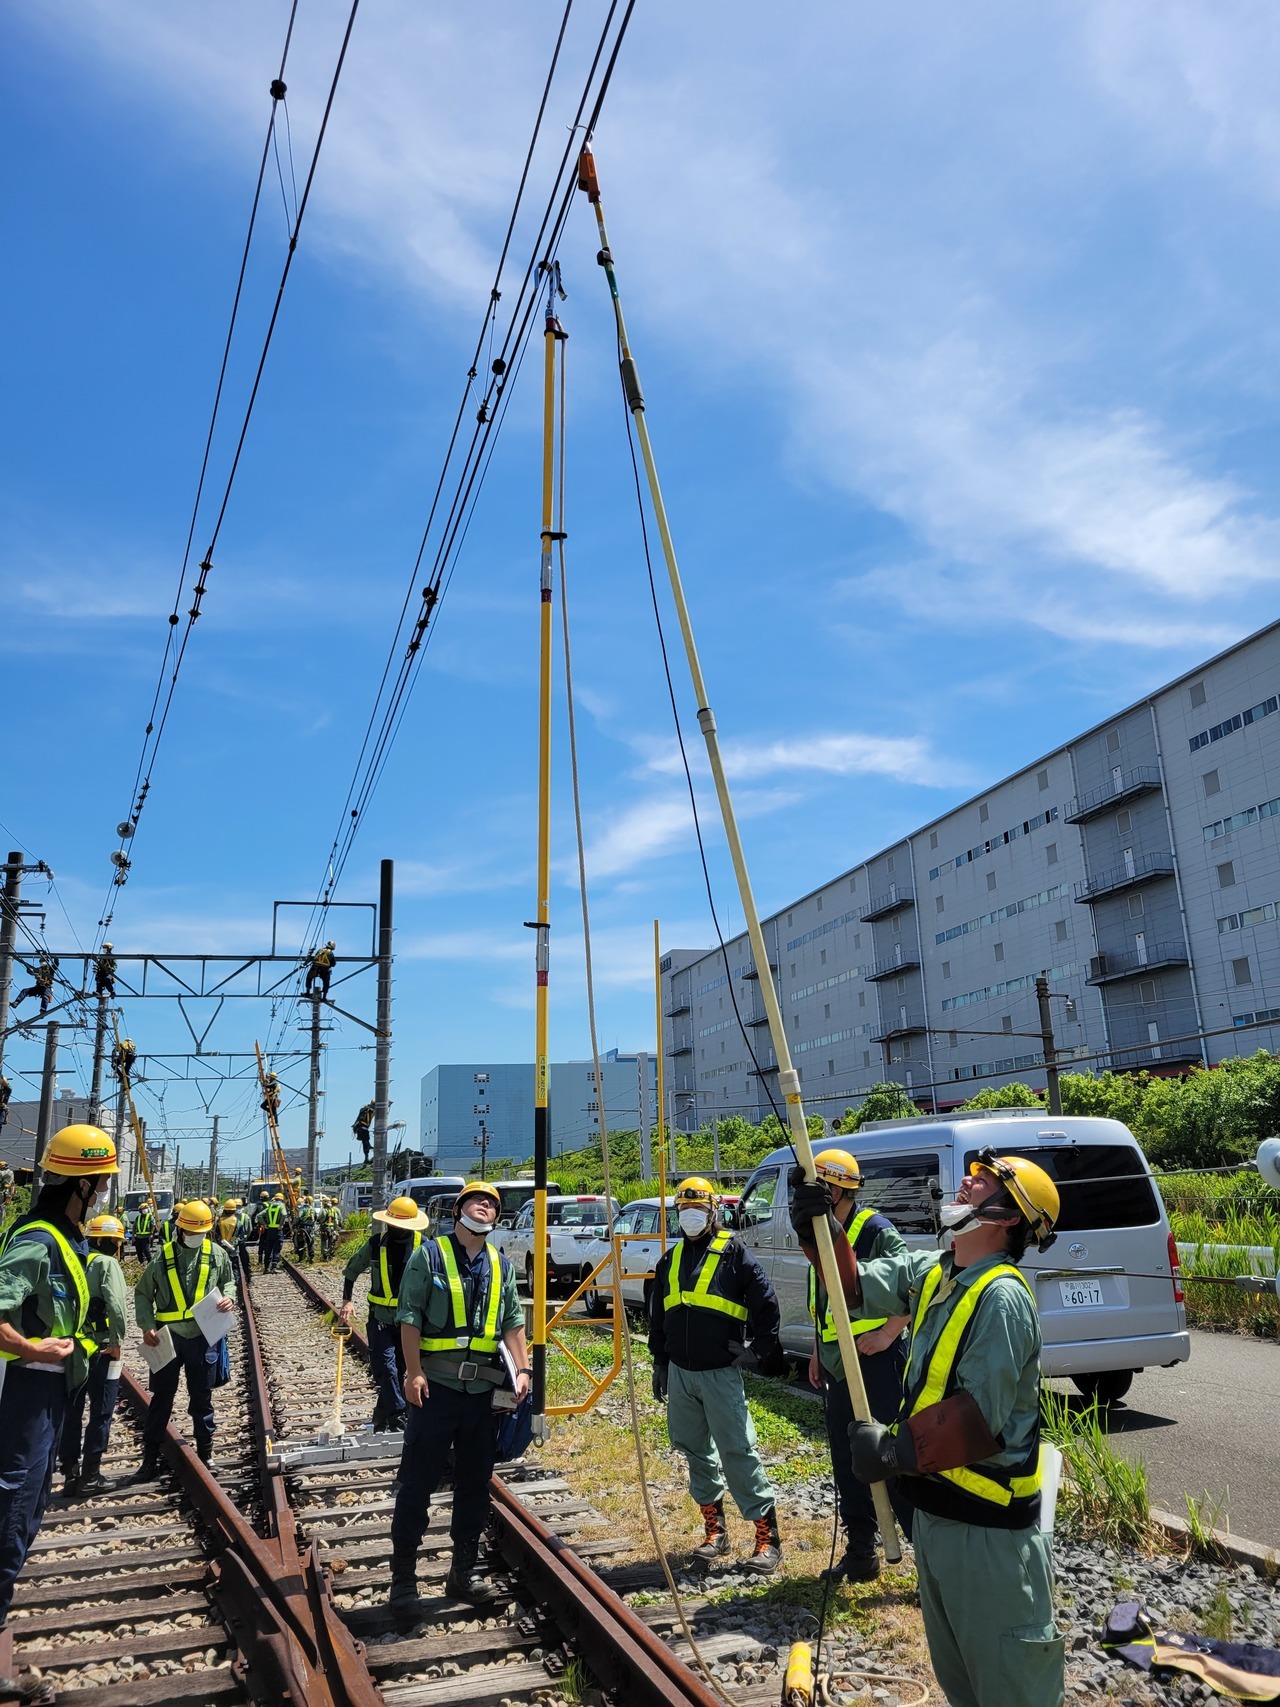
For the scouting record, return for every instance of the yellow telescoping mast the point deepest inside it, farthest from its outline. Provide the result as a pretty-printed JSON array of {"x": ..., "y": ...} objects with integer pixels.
[
  {"x": 541, "y": 925},
  {"x": 788, "y": 1078}
]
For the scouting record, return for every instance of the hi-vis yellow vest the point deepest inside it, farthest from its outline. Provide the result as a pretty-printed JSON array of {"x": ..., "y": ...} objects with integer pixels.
[
  {"x": 463, "y": 1339},
  {"x": 69, "y": 1318},
  {"x": 857, "y": 1325},
  {"x": 385, "y": 1295},
  {"x": 700, "y": 1295},
  {"x": 181, "y": 1309},
  {"x": 991, "y": 1496}
]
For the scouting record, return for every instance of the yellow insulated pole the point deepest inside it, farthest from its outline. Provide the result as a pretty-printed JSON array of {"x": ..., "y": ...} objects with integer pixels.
[
  {"x": 139, "y": 1142},
  {"x": 660, "y": 1129},
  {"x": 542, "y": 923},
  {"x": 788, "y": 1078}
]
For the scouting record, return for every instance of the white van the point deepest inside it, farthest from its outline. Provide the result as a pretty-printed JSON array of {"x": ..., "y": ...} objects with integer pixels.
[{"x": 1108, "y": 1290}]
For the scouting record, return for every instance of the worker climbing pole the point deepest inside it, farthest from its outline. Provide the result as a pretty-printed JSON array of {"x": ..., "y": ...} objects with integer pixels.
[
  {"x": 271, "y": 1108},
  {"x": 554, "y": 337},
  {"x": 123, "y": 1057},
  {"x": 788, "y": 1078}
]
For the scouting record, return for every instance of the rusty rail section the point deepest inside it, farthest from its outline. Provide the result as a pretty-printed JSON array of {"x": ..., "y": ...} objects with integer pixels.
[
  {"x": 627, "y": 1658},
  {"x": 277, "y": 1610}
]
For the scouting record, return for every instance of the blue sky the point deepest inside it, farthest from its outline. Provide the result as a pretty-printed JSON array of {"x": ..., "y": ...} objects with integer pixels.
[{"x": 958, "y": 337}]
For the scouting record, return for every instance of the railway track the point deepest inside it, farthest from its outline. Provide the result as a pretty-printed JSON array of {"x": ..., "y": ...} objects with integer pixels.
[{"x": 245, "y": 1582}]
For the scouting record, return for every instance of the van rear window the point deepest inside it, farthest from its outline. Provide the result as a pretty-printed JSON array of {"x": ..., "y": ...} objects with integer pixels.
[
  {"x": 1101, "y": 1185},
  {"x": 900, "y": 1187}
]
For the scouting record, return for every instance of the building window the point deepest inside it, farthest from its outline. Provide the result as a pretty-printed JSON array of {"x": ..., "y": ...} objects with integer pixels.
[
  {"x": 793, "y": 968},
  {"x": 896, "y": 924},
  {"x": 939, "y": 903},
  {"x": 1124, "y": 822},
  {"x": 1240, "y": 970},
  {"x": 862, "y": 998},
  {"x": 866, "y": 1058},
  {"x": 819, "y": 903},
  {"x": 983, "y": 813},
  {"x": 1211, "y": 783},
  {"x": 888, "y": 864},
  {"x": 790, "y": 919},
  {"x": 1042, "y": 780},
  {"x": 946, "y": 969},
  {"x": 795, "y": 1024},
  {"x": 952, "y": 1039},
  {"x": 1227, "y": 874},
  {"x": 826, "y": 1010},
  {"x": 1135, "y": 904},
  {"x": 1196, "y": 694},
  {"x": 831, "y": 1069},
  {"x": 857, "y": 939},
  {"x": 933, "y": 841},
  {"x": 1113, "y": 740},
  {"x": 999, "y": 951},
  {"x": 1147, "y": 990},
  {"x": 1060, "y": 929},
  {"x": 902, "y": 986},
  {"x": 1006, "y": 1022},
  {"x": 822, "y": 957},
  {"x": 1051, "y": 853},
  {"x": 991, "y": 880}
]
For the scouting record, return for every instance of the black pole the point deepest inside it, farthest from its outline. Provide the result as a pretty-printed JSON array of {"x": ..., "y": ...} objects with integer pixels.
[
  {"x": 1053, "y": 1092},
  {"x": 48, "y": 1082},
  {"x": 382, "y": 1054}
]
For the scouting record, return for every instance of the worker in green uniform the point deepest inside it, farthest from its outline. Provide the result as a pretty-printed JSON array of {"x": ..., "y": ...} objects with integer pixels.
[
  {"x": 396, "y": 1235},
  {"x": 44, "y": 1300},
  {"x": 881, "y": 1355},
  {"x": 177, "y": 1277},
  {"x": 708, "y": 1294},
  {"x": 458, "y": 1311},
  {"x": 966, "y": 1447},
  {"x": 105, "y": 1323},
  {"x": 272, "y": 1223},
  {"x": 328, "y": 1228}
]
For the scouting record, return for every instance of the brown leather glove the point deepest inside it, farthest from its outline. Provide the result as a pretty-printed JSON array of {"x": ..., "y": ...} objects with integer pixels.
[{"x": 949, "y": 1434}]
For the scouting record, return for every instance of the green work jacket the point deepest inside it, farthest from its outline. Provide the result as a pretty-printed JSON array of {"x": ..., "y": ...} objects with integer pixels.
[
  {"x": 152, "y": 1291},
  {"x": 426, "y": 1303},
  {"x": 999, "y": 1360},
  {"x": 108, "y": 1317},
  {"x": 33, "y": 1297},
  {"x": 885, "y": 1241}
]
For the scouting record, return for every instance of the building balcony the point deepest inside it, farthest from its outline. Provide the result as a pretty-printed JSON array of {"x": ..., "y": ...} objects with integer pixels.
[
  {"x": 1111, "y": 967},
  {"x": 680, "y": 1005},
  {"x": 1146, "y": 868},
  {"x": 761, "y": 1072},
  {"x": 907, "y": 960},
  {"x": 894, "y": 900},
  {"x": 890, "y": 1032},
  {"x": 757, "y": 1019},
  {"x": 751, "y": 972},
  {"x": 1142, "y": 779},
  {"x": 681, "y": 1049},
  {"x": 1146, "y": 1056}
]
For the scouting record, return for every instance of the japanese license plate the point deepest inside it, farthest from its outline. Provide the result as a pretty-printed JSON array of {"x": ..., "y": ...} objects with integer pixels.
[{"x": 1080, "y": 1294}]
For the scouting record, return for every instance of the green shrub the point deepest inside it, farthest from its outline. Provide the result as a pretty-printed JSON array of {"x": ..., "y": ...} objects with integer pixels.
[{"x": 1103, "y": 1497}]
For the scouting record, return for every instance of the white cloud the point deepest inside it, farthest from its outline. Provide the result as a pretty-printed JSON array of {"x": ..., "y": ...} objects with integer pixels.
[
  {"x": 904, "y": 758},
  {"x": 639, "y": 833},
  {"x": 469, "y": 945}
]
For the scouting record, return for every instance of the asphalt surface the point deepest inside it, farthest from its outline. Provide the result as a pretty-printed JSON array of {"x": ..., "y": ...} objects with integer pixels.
[{"x": 1211, "y": 1425}]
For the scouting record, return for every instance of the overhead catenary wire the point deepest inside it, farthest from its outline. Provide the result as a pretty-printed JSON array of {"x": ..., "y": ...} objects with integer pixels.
[{"x": 155, "y": 730}]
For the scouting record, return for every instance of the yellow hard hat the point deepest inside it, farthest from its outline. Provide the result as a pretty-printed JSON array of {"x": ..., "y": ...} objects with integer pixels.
[
  {"x": 80, "y": 1150},
  {"x": 278, "y": 1198},
  {"x": 126, "y": 1043},
  {"x": 403, "y": 1214},
  {"x": 194, "y": 1217},
  {"x": 105, "y": 1227},
  {"x": 838, "y": 1167},
  {"x": 228, "y": 1206},
  {"x": 1029, "y": 1187},
  {"x": 696, "y": 1190}
]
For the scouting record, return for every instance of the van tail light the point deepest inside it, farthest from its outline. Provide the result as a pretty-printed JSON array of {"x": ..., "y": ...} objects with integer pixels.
[
  {"x": 549, "y": 1240},
  {"x": 1175, "y": 1270}
]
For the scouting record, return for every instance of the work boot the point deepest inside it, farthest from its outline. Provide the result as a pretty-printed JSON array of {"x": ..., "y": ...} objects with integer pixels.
[
  {"x": 149, "y": 1469},
  {"x": 28, "y": 1691},
  {"x": 92, "y": 1481},
  {"x": 860, "y": 1563},
  {"x": 768, "y": 1549},
  {"x": 395, "y": 1423},
  {"x": 464, "y": 1581},
  {"x": 70, "y": 1481},
  {"x": 716, "y": 1540},
  {"x": 404, "y": 1583},
  {"x": 204, "y": 1451}
]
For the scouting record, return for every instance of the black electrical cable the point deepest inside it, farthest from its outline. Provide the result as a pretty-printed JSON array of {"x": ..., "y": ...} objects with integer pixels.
[{"x": 155, "y": 732}]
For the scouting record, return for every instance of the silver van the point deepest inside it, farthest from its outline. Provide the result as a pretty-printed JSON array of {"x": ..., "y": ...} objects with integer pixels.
[{"x": 1108, "y": 1290}]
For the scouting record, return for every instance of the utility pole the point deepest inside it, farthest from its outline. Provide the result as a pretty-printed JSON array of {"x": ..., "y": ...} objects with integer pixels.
[
  {"x": 482, "y": 1143},
  {"x": 48, "y": 1088},
  {"x": 8, "y": 935},
  {"x": 646, "y": 1142},
  {"x": 1053, "y": 1093},
  {"x": 313, "y": 1098},
  {"x": 99, "y": 1049},
  {"x": 213, "y": 1159},
  {"x": 715, "y": 1143},
  {"x": 382, "y": 1047}
]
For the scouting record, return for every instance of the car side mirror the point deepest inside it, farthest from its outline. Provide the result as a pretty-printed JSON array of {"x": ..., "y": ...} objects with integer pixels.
[{"x": 731, "y": 1218}]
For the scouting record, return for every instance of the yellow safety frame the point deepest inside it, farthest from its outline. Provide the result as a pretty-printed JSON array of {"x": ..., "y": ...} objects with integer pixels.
[{"x": 599, "y": 1384}]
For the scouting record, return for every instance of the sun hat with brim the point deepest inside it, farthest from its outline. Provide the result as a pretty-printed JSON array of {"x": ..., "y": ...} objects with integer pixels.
[{"x": 403, "y": 1214}]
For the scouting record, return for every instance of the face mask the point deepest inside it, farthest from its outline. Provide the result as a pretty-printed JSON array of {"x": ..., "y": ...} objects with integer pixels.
[
  {"x": 193, "y": 1241},
  {"x": 955, "y": 1217},
  {"x": 481, "y": 1227},
  {"x": 693, "y": 1222}
]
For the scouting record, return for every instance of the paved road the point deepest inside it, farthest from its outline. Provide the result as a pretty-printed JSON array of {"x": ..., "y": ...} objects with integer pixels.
[{"x": 1213, "y": 1425}]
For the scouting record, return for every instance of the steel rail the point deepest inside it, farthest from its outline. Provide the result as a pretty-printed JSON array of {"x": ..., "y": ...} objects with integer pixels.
[
  {"x": 282, "y": 1620},
  {"x": 626, "y": 1657}
]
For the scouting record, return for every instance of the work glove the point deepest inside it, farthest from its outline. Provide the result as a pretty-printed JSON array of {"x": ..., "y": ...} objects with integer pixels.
[
  {"x": 771, "y": 1360},
  {"x": 810, "y": 1201},
  {"x": 877, "y": 1454},
  {"x": 660, "y": 1382}
]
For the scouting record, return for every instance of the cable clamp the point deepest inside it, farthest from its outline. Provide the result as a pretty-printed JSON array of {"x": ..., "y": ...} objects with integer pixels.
[
  {"x": 707, "y": 720},
  {"x": 278, "y": 89},
  {"x": 789, "y": 1083}
]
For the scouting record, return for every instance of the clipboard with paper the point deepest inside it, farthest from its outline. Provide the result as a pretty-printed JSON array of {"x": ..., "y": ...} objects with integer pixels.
[
  {"x": 157, "y": 1356},
  {"x": 213, "y": 1323}
]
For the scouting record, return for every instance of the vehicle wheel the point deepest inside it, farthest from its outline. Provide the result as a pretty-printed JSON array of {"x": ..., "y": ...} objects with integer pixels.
[
  {"x": 595, "y": 1302},
  {"x": 528, "y": 1275},
  {"x": 1108, "y": 1388}
]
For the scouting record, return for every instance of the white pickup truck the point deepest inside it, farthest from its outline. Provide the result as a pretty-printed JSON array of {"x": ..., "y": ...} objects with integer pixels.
[{"x": 573, "y": 1223}]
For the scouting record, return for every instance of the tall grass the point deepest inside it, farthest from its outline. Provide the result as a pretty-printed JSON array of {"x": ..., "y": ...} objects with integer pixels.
[{"x": 1103, "y": 1496}]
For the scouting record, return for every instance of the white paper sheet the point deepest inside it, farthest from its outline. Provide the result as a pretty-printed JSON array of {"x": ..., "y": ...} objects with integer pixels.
[
  {"x": 156, "y": 1356},
  {"x": 213, "y": 1323}
]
